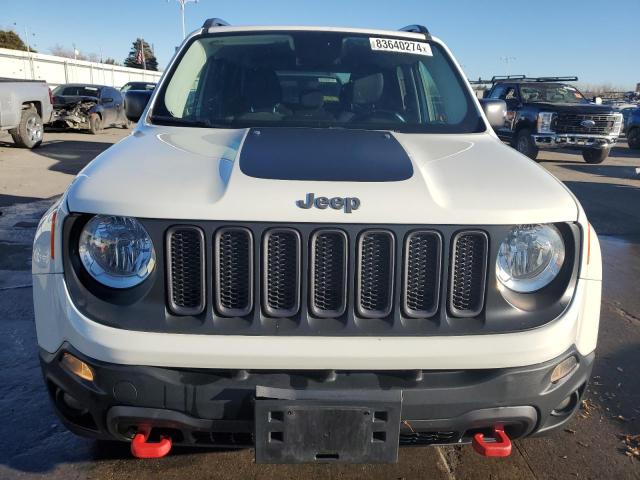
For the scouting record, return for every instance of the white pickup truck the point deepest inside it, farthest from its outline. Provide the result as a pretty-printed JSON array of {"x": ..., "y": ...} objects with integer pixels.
[{"x": 25, "y": 106}]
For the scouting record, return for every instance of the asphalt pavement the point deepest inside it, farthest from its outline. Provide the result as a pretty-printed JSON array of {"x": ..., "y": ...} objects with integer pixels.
[{"x": 33, "y": 443}]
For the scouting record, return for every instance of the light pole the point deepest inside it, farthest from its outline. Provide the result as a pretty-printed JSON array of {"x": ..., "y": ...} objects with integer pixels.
[
  {"x": 182, "y": 4},
  {"x": 507, "y": 61},
  {"x": 26, "y": 36}
]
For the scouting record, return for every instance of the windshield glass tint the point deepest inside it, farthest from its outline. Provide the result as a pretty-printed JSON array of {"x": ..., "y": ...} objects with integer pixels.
[
  {"x": 551, "y": 93},
  {"x": 316, "y": 79}
]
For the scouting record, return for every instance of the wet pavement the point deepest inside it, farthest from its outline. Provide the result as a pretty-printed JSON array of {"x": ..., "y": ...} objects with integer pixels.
[{"x": 33, "y": 443}]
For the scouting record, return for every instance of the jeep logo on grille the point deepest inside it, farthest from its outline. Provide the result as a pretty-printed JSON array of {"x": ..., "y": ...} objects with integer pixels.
[
  {"x": 588, "y": 123},
  {"x": 348, "y": 204}
]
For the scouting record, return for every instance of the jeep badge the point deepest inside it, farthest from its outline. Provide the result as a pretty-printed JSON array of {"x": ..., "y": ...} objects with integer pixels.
[{"x": 337, "y": 203}]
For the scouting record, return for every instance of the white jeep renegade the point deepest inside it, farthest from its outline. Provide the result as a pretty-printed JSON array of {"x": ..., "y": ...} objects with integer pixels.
[{"x": 313, "y": 243}]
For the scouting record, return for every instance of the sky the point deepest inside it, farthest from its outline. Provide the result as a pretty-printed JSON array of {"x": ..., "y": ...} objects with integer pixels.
[{"x": 589, "y": 38}]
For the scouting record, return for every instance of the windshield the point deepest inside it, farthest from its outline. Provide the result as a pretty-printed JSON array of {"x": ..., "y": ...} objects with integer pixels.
[
  {"x": 551, "y": 93},
  {"x": 77, "y": 91},
  {"x": 316, "y": 79}
]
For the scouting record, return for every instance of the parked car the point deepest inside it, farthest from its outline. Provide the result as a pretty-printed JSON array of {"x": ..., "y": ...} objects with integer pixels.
[
  {"x": 25, "y": 107},
  {"x": 548, "y": 113},
  {"x": 92, "y": 107},
  {"x": 137, "y": 86},
  {"x": 632, "y": 127},
  {"x": 323, "y": 284}
]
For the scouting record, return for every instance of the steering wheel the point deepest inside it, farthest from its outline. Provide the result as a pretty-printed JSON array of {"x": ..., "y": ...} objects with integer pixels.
[{"x": 390, "y": 114}]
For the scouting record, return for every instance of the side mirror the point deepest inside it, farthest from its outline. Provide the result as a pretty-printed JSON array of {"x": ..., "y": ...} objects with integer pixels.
[
  {"x": 135, "y": 101},
  {"x": 495, "y": 110},
  {"x": 107, "y": 100}
]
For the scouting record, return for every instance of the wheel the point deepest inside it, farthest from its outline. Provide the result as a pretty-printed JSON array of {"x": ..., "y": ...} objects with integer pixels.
[
  {"x": 95, "y": 123},
  {"x": 524, "y": 144},
  {"x": 29, "y": 132},
  {"x": 595, "y": 155},
  {"x": 633, "y": 138}
]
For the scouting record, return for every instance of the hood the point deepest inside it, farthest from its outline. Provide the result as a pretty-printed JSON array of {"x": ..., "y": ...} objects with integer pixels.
[
  {"x": 586, "y": 108},
  {"x": 215, "y": 174}
]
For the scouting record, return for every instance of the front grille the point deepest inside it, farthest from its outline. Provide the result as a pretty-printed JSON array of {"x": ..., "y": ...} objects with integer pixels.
[
  {"x": 328, "y": 278},
  {"x": 234, "y": 271},
  {"x": 572, "y": 123},
  {"x": 469, "y": 267},
  {"x": 185, "y": 270},
  {"x": 375, "y": 273},
  {"x": 428, "y": 438},
  {"x": 269, "y": 279},
  {"x": 281, "y": 264}
]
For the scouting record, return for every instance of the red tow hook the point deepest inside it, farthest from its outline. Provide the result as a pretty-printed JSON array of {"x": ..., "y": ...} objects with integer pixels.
[
  {"x": 500, "y": 447},
  {"x": 141, "y": 448}
]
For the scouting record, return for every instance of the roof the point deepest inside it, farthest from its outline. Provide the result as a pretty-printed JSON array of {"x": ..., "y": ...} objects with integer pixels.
[{"x": 271, "y": 28}]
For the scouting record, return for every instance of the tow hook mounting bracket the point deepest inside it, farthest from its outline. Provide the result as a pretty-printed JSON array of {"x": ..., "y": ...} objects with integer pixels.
[
  {"x": 499, "y": 447},
  {"x": 142, "y": 448}
]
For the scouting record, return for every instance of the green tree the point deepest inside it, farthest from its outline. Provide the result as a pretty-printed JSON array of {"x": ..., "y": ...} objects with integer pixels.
[
  {"x": 10, "y": 39},
  {"x": 134, "y": 61}
]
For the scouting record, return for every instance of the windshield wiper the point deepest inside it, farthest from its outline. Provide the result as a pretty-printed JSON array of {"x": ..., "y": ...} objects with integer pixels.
[{"x": 183, "y": 122}]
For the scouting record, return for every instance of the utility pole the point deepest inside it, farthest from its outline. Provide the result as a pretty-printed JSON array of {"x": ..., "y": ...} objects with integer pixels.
[
  {"x": 182, "y": 4},
  {"x": 507, "y": 61}
]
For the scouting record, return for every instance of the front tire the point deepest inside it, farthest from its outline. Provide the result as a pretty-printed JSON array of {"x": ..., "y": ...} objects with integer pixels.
[
  {"x": 30, "y": 130},
  {"x": 633, "y": 138},
  {"x": 595, "y": 155},
  {"x": 524, "y": 144},
  {"x": 95, "y": 123}
]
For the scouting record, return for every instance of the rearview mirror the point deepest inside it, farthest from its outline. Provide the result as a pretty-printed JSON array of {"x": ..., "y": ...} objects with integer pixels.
[
  {"x": 135, "y": 101},
  {"x": 495, "y": 111}
]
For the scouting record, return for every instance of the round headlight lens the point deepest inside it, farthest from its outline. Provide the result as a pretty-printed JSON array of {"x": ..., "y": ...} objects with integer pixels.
[
  {"x": 117, "y": 251},
  {"x": 530, "y": 257}
]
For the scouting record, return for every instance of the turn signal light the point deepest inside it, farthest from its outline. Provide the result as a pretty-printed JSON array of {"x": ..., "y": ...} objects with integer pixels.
[
  {"x": 563, "y": 369},
  {"x": 77, "y": 367}
]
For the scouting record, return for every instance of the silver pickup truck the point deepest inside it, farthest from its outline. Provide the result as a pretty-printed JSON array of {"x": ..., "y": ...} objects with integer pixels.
[{"x": 25, "y": 106}]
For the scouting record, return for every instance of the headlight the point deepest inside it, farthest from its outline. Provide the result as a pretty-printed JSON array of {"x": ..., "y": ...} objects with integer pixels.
[
  {"x": 544, "y": 122},
  {"x": 116, "y": 251},
  {"x": 530, "y": 257},
  {"x": 617, "y": 125}
]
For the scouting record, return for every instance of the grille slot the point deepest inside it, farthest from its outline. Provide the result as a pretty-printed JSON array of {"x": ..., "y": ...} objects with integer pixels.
[
  {"x": 374, "y": 295},
  {"x": 328, "y": 278},
  {"x": 468, "y": 273},
  {"x": 428, "y": 438},
  {"x": 185, "y": 270},
  {"x": 422, "y": 260},
  {"x": 281, "y": 272},
  {"x": 234, "y": 271}
]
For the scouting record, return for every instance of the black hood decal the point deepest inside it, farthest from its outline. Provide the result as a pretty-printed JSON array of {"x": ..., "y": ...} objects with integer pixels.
[{"x": 323, "y": 154}]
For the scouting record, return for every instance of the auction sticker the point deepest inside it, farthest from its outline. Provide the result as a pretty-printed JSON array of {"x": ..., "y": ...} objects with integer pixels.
[{"x": 402, "y": 46}]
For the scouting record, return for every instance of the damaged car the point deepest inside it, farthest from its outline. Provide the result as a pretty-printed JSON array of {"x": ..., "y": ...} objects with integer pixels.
[{"x": 92, "y": 107}]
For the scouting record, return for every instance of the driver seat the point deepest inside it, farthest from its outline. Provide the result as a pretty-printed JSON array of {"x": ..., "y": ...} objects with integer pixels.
[{"x": 361, "y": 95}]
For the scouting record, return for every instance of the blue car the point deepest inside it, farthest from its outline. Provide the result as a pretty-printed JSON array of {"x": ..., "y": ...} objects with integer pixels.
[{"x": 632, "y": 126}]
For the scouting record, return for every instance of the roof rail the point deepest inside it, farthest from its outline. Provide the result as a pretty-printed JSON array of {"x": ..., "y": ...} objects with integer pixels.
[
  {"x": 416, "y": 29},
  {"x": 520, "y": 78},
  {"x": 524, "y": 78},
  {"x": 497, "y": 78},
  {"x": 214, "y": 22}
]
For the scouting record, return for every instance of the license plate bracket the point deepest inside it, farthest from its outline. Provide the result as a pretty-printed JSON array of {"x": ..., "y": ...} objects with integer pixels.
[{"x": 309, "y": 431}]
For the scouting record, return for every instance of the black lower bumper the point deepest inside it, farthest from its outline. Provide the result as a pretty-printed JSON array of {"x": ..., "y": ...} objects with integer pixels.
[{"x": 221, "y": 407}]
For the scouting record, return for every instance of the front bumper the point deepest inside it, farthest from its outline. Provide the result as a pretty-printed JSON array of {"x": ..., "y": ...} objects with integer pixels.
[
  {"x": 569, "y": 140},
  {"x": 216, "y": 407}
]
